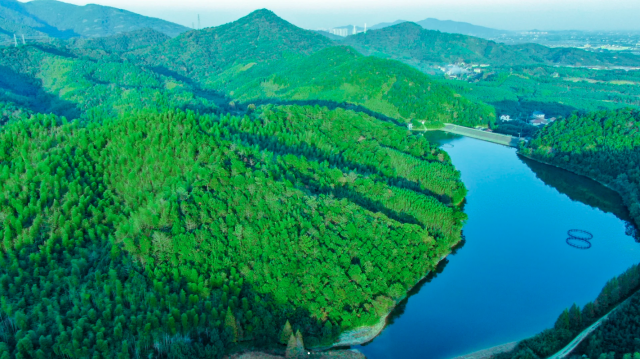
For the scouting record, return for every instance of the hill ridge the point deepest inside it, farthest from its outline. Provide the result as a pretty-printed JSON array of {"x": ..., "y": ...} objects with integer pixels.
[
  {"x": 429, "y": 47},
  {"x": 63, "y": 20}
]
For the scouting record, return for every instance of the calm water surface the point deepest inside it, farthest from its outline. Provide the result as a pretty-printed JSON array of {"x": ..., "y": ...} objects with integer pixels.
[{"x": 515, "y": 273}]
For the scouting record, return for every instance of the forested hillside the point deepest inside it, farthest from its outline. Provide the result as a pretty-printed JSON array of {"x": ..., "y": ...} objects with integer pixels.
[
  {"x": 602, "y": 145},
  {"x": 124, "y": 42},
  {"x": 262, "y": 57},
  {"x": 615, "y": 337},
  {"x": 410, "y": 42},
  {"x": 62, "y": 20},
  {"x": 53, "y": 79},
  {"x": 173, "y": 234},
  {"x": 557, "y": 91},
  {"x": 515, "y": 79},
  {"x": 458, "y": 27},
  {"x": 11, "y": 112},
  {"x": 256, "y": 60}
]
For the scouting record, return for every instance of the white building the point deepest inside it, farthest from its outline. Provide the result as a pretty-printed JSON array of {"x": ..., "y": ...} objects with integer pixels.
[
  {"x": 537, "y": 115},
  {"x": 505, "y": 118}
]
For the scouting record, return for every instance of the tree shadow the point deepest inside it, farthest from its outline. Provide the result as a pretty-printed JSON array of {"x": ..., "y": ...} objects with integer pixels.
[
  {"x": 332, "y": 105},
  {"x": 28, "y": 92},
  {"x": 272, "y": 143},
  {"x": 399, "y": 310},
  {"x": 217, "y": 97},
  {"x": 54, "y": 51}
]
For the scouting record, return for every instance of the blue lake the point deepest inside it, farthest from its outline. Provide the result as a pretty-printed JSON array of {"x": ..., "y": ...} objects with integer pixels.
[{"x": 515, "y": 272}]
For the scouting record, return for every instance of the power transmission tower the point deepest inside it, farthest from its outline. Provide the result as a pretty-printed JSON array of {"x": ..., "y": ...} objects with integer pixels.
[
  {"x": 23, "y": 42},
  {"x": 15, "y": 39}
]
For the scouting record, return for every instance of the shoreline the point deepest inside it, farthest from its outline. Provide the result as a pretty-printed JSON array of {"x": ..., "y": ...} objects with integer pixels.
[
  {"x": 568, "y": 170},
  {"x": 489, "y": 352},
  {"x": 365, "y": 334},
  {"x": 622, "y": 195}
]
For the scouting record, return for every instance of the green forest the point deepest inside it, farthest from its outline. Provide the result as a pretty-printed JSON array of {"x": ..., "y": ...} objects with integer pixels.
[
  {"x": 259, "y": 59},
  {"x": 515, "y": 80},
  {"x": 557, "y": 91},
  {"x": 168, "y": 193},
  {"x": 423, "y": 48},
  {"x": 602, "y": 145},
  {"x": 184, "y": 235},
  {"x": 618, "y": 334}
]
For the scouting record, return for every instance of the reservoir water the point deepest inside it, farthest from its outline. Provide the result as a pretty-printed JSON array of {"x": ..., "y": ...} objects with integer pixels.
[{"x": 515, "y": 272}]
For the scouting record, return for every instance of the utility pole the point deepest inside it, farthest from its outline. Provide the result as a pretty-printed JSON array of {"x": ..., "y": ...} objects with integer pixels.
[
  {"x": 23, "y": 42},
  {"x": 15, "y": 39}
]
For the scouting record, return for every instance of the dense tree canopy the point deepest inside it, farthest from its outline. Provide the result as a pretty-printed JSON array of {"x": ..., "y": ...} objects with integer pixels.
[
  {"x": 177, "y": 234},
  {"x": 255, "y": 60},
  {"x": 602, "y": 145},
  {"x": 574, "y": 320}
]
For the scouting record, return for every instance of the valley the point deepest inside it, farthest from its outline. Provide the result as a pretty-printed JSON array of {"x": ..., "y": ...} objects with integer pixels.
[{"x": 258, "y": 189}]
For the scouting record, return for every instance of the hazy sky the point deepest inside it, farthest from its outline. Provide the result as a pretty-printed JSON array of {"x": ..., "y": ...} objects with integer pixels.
[{"x": 313, "y": 14}]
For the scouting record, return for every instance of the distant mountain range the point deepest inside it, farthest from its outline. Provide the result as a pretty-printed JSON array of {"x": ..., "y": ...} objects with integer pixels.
[
  {"x": 61, "y": 20},
  {"x": 257, "y": 59},
  {"x": 452, "y": 27},
  {"x": 411, "y": 43}
]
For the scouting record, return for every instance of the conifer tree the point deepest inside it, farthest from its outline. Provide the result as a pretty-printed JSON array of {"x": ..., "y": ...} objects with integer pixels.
[
  {"x": 286, "y": 333},
  {"x": 299, "y": 341},
  {"x": 230, "y": 322},
  {"x": 292, "y": 348}
]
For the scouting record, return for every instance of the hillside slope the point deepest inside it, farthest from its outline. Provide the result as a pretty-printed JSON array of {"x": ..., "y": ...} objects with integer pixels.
[
  {"x": 72, "y": 83},
  {"x": 602, "y": 145},
  {"x": 450, "y": 26},
  {"x": 411, "y": 43},
  {"x": 260, "y": 39},
  {"x": 123, "y": 42},
  {"x": 63, "y": 20},
  {"x": 262, "y": 57},
  {"x": 177, "y": 235},
  {"x": 463, "y": 28},
  {"x": 256, "y": 60}
]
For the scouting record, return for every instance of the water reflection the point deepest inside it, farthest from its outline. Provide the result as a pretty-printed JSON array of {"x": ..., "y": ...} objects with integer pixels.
[
  {"x": 580, "y": 188},
  {"x": 400, "y": 308},
  {"x": 515, "y": 273}
]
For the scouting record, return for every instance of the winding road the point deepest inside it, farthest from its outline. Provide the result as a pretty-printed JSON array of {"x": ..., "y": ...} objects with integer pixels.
[{"x": 585, "y": 333}]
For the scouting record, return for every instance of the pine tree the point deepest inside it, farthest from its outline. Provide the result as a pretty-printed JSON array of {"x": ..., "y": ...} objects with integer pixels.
[
  {"x": 286, "y": 333},
  {"x": 563, "y": 321},
  {"x": 575, "y": 318},
  {"x": 327, "y": 331},
  {"x": 300, "y": 342},
  {"x": 292, "y": 350},
  {"x": 230, "y": 322}
]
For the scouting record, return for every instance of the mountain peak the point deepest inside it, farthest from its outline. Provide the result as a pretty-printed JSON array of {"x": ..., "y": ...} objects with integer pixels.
[
  {"x": 263, "y": 15},
  {"x": 405, "y": 27}
]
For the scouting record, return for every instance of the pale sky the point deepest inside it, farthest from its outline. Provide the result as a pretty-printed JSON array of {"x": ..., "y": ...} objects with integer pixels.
[{"x": 314, "y": 14}]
